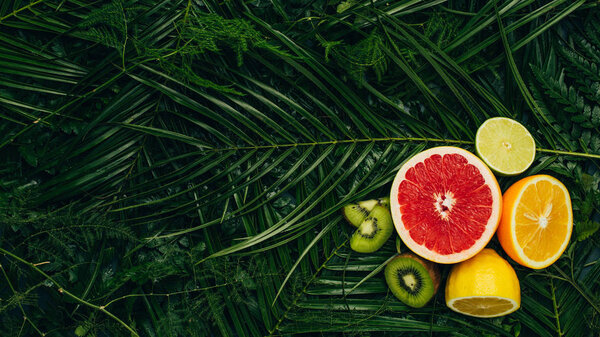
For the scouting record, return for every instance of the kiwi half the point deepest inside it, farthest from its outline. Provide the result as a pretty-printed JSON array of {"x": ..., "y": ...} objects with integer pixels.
[
  {"x": 356, "y": 213},
  {"x": 373, "y": 232},
  {"x": 412, "y": 280}
]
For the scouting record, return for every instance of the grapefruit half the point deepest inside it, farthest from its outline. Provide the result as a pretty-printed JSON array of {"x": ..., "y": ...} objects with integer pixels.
[{"x": 446, "y": 204}]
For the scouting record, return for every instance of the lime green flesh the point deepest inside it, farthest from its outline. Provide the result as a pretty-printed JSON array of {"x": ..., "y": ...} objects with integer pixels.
[{"x": 505, "y": 146}]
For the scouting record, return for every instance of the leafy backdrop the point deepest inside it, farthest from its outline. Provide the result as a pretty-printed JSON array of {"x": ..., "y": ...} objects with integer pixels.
[{"x": 176, "y": 168}]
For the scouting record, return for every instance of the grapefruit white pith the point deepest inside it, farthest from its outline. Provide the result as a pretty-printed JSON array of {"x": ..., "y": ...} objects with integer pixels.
[{"x": 445, "y": 204}]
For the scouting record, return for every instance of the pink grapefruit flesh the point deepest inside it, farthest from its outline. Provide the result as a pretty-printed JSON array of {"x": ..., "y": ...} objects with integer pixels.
[{"x": 446, "y": 204}]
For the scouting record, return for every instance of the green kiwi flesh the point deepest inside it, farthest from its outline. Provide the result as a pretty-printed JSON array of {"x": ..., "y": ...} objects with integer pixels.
[
  {"x": 385, "y": 201},
  {"x": 412, "y": 280},
  {"x": 368, "y": 204},
  {"x": 356, "y": 213},
  {"x": 373, "y": 232}
]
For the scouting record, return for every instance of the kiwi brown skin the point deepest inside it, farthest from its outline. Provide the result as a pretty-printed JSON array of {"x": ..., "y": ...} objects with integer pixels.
[
  {"x": 425, "y": 274},
  {"x": 432, "y": 269}
]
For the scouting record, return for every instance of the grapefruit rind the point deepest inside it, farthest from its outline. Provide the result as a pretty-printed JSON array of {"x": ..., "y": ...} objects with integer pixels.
[
  {"x": 493, "y": 220},
  {"x": 521, "y": 257}
]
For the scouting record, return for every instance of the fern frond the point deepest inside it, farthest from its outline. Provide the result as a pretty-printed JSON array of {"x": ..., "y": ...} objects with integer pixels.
[
  {"x": 577, "y": 65},
  {"x": 367, "y": 54},
  {"x": 211, "y": 32}
]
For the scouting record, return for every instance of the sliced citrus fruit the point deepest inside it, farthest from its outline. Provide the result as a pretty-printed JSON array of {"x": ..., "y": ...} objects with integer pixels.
[
  {"x": 505, "y": 145},
  {"x": 445, "y": 204},
  {"x": 483, "y": 286},
  {"x": 537, "y": 221}
]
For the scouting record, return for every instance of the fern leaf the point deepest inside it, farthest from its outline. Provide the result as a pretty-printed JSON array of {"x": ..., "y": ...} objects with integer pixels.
[{"x": 586, "y": 229}]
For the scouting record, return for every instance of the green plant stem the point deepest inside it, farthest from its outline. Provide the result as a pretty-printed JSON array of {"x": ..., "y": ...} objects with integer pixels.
[
  {"x": 314, "y": 276},
  {"x": 15, "y": 12},
  {"x": 20, "y": 305},
  {"x": 454, "y": 11},
  {"x": 167, "y": 294},
  {"x": 393, "y": 139},
  {"x": 63, "y": 291},
  {"x": 592, "y": 302},
  {"x": 555, "y": 306},
  {"x": 531, "y": 102},
  {"x": 569, "y": 153},
  {"x": 347, "y": 141},
  {"x": 94, "y": 276}
]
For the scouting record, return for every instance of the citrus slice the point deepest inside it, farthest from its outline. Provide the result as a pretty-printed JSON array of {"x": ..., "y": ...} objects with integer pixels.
[
  {"x": 445, "y": 204},
  {"x": 537, "y": 221},
  {"x": 483, "y": 286},
  {"x": 505, "y": 145}
]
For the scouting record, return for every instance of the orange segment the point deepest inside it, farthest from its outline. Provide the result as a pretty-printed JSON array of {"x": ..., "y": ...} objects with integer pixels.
[{"x": 537, "y": 221}]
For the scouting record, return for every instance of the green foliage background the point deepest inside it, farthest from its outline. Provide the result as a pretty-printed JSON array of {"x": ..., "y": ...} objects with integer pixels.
[{"x": 176, "y": 167}]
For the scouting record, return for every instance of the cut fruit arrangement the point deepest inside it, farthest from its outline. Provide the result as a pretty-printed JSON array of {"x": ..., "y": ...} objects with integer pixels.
[{"x": 446, "y": 204}]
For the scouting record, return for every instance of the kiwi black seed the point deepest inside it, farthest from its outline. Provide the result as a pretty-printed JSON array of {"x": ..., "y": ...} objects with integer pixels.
[
  {"x": 373, "y": 232},
  {"x": 413, "y": 280},
  {"x": 356, "y": 213},
  {"x": 385, "y": 201}
]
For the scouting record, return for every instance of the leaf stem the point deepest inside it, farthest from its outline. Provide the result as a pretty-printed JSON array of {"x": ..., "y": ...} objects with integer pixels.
[
  {"x": 555, "y": 306},
  {"x": 569, "y": 153},
  {"x": 575, "y": 285},
  {"x": 15, "y": 12},
  {"x": 20, "y": 305},
  {"x": 392, "y": 139},
  {"x": 63, "y": 291},
  {"x": 314, "y": 276},
  {"x": 347, "y": 141},
  {"x": 167, "y": 294}
]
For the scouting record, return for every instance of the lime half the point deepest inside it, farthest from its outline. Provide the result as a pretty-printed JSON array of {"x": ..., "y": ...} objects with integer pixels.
[{"x": 505, "y": 146}]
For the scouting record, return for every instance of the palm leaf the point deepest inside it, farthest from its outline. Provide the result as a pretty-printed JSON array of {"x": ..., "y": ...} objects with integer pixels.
[{"x": 226, "y": 157}]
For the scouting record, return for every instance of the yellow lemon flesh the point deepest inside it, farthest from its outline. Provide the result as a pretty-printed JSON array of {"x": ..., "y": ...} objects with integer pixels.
[{"x": 485, "y": 285}]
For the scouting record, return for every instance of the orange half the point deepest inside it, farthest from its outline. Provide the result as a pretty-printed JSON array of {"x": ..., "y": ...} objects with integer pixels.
[{"x": 537, "y": 221}]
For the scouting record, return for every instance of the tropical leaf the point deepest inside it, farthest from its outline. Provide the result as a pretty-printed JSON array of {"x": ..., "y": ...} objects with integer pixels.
[{"x": 176, "y": 168}]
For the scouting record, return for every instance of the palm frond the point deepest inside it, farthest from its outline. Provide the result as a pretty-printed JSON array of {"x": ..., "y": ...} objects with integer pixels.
[{"x": 180, "y": 165}]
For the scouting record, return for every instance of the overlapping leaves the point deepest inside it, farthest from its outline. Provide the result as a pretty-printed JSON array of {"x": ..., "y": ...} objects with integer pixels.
[{"x": 224, "y": 153}]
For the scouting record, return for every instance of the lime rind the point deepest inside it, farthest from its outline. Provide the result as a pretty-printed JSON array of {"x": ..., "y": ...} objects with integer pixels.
[{"x": 517, "y": 133}]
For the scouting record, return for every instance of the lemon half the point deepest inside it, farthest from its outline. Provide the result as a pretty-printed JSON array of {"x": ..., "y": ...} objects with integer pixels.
[{"x": 485, "y": 285}]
